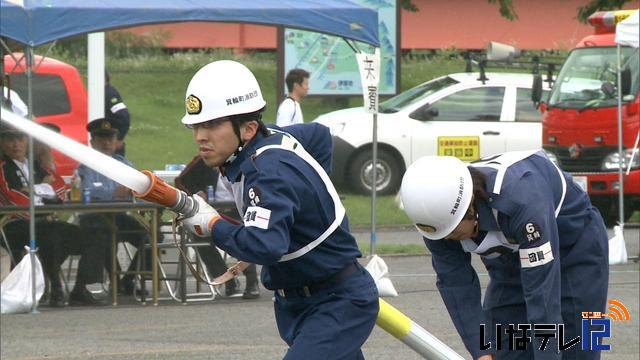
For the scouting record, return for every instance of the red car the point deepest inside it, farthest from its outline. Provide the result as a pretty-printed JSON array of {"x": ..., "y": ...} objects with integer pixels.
[{"x": 59, "y": 98}]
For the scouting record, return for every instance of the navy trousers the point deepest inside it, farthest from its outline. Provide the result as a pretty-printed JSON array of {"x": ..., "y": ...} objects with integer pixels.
[
  {"x": 331, "y": 324},
  {"x": 584, "y": 284}
]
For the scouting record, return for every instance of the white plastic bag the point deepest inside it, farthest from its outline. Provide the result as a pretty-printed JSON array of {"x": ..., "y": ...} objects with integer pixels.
[
  {"x": 617, "y": 247},
  {"x": 16, "y": 290},
  {"x": 380, "y": 273}
]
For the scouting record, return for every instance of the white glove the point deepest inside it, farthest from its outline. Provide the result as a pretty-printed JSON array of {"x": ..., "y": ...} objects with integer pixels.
[{"x": 202, "y": 222}]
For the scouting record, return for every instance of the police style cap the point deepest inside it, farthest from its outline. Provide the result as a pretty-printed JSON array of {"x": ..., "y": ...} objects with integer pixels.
[
  {"x": 101, "y": 127},
  {"x": 8, "y": 130},
  {"x": 221, "y": 89},
  {"x": 52, "y": 127}
]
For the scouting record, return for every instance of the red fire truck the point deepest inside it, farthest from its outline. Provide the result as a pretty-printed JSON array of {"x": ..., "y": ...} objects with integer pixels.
[{"x": 580, "y": 126}]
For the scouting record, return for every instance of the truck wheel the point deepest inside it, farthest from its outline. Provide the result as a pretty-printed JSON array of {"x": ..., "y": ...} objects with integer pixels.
[
  {"x": 361, "y": 173},
  {"x": 609, "y": 212}
]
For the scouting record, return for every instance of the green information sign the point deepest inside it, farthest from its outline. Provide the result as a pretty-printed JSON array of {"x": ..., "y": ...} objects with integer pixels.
[{"x": 332, "y": 62}]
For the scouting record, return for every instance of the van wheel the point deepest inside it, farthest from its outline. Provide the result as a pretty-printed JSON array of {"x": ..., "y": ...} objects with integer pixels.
[{"x": 361, "y": 173}]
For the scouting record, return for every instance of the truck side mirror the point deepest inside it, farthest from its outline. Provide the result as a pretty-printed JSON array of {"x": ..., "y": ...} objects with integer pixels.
[
  {"x": 425, "y": 113},
  {"x": 625, "y": 81},
  {"x": 608, "y": 89},
  {"x": 536, "y": 90},
  {"x": 430, "y": 113}
]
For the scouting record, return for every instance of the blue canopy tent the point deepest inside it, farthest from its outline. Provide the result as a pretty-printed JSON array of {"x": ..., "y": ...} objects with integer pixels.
[{"x": 37, "y": 22}]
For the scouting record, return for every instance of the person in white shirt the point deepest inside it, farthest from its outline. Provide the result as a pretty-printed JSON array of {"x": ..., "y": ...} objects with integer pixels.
[{"x": 289, "y": 111}]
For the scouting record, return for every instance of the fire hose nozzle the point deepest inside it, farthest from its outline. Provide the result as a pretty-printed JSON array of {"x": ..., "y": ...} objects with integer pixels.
[{"x": 160, "y": 192}]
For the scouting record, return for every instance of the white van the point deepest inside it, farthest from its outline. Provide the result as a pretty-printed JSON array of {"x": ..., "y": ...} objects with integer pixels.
[{"x": 456, "y": 115}]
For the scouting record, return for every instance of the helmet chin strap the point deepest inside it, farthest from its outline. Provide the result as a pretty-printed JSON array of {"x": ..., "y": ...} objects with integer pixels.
[
  {"x": 236, "y": 130},
  {"x": 235, "y": 123},
  {"x": 233, "y": 156}
]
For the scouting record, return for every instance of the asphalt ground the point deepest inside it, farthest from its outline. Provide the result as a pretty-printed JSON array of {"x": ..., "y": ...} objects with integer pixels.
[{"x": 245, "y": 329}]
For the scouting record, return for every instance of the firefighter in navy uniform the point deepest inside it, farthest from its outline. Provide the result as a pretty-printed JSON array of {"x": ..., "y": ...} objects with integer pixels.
[
  {"x": 295, "y": 226},
  {"x": 544, "y": 245}
]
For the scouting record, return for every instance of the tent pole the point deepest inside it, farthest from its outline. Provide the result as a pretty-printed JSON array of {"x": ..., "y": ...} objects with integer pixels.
[
  {"x": 32, "y": 218},
  {"x": 46, "y": 53},
  {"x": 374, "y": 162},
  {"x": 621, "y": 157},
  {"x": 374, "y": 184}
]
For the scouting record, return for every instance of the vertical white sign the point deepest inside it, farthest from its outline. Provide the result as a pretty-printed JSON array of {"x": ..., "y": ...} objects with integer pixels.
[
  {"x": 369, "y": 66},
  {"x": 95, "y": 81}
]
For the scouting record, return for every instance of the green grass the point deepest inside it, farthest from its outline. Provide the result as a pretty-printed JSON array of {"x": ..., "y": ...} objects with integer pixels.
[
  {"x": 153, "y": 87},
  {"x": 391, "y": 249},
  {"x": 387, "y": 212}
]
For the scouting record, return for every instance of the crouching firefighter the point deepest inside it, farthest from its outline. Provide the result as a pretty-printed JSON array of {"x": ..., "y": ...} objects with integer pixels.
[{"x": 544, "y": 246}]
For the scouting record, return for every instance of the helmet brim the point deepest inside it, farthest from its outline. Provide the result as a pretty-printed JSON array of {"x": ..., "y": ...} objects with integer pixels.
[{"x": 436, "y": 192}]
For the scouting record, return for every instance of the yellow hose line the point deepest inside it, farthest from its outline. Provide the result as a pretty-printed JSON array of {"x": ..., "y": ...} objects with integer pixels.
[{"x": 393, "y": 321}]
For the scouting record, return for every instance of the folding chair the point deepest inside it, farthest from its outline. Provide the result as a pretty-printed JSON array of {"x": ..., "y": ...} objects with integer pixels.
[
  {"x": 3, "y": 221},
  {"x": 176, "y": 282},
  {"x": 9, "y": 255}
]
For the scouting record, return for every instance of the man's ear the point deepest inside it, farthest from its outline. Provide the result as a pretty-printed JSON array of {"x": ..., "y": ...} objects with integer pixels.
[{"x": 248, "y": 130}]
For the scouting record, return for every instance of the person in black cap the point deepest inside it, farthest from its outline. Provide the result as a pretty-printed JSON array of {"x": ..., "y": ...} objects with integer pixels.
[
  {"x": 104, "y": 139},
  {"x": 93, "y": 252},
  {"x": 116, "y": 111}
]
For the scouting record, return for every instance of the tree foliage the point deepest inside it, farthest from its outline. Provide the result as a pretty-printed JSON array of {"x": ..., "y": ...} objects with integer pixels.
[
  {"x": 598, "y": 5},
  {"x": 408, "y": 5},
  {"x": 508, "y": 11}
]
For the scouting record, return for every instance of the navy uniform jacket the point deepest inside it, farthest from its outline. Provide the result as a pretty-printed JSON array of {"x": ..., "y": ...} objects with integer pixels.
[
  {"x": 116, "y": 111},
  {"x": 294, "y": 209},
  {"x": 526, "y": 266}
]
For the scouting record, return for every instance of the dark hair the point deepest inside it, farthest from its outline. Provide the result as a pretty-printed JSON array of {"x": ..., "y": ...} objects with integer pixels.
[
  {"x": 240, "y": 119},
  {"x": 296, "y": 76},
  {"x": 479, "y": 183}
]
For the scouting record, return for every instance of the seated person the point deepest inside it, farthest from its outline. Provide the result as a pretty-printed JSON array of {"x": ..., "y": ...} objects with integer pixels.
[
  {"x": 102, "y": 188},
  {"x": 93, "y": 252},
  {"x": 194, "y": 179},
  {"x": 54, "y": 238}
]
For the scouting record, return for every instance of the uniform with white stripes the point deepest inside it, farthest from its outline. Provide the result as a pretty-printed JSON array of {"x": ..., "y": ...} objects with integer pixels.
[
  {"x": 295, "y": 226},
  {"x": 545, "y": 248},
  {"x": 116, "y": 111}
]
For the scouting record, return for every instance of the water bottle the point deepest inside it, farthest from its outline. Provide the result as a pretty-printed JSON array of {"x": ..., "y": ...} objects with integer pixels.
[
  {"x": 211, "y": 193},
  {"x": 76, "y": 191},
  {"x": 86, "y": 195}
]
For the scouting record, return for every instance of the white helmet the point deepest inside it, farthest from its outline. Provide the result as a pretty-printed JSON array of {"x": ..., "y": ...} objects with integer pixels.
[
  {"x": 221, "y": 88},
  {"x": 436, "y": 193}
]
